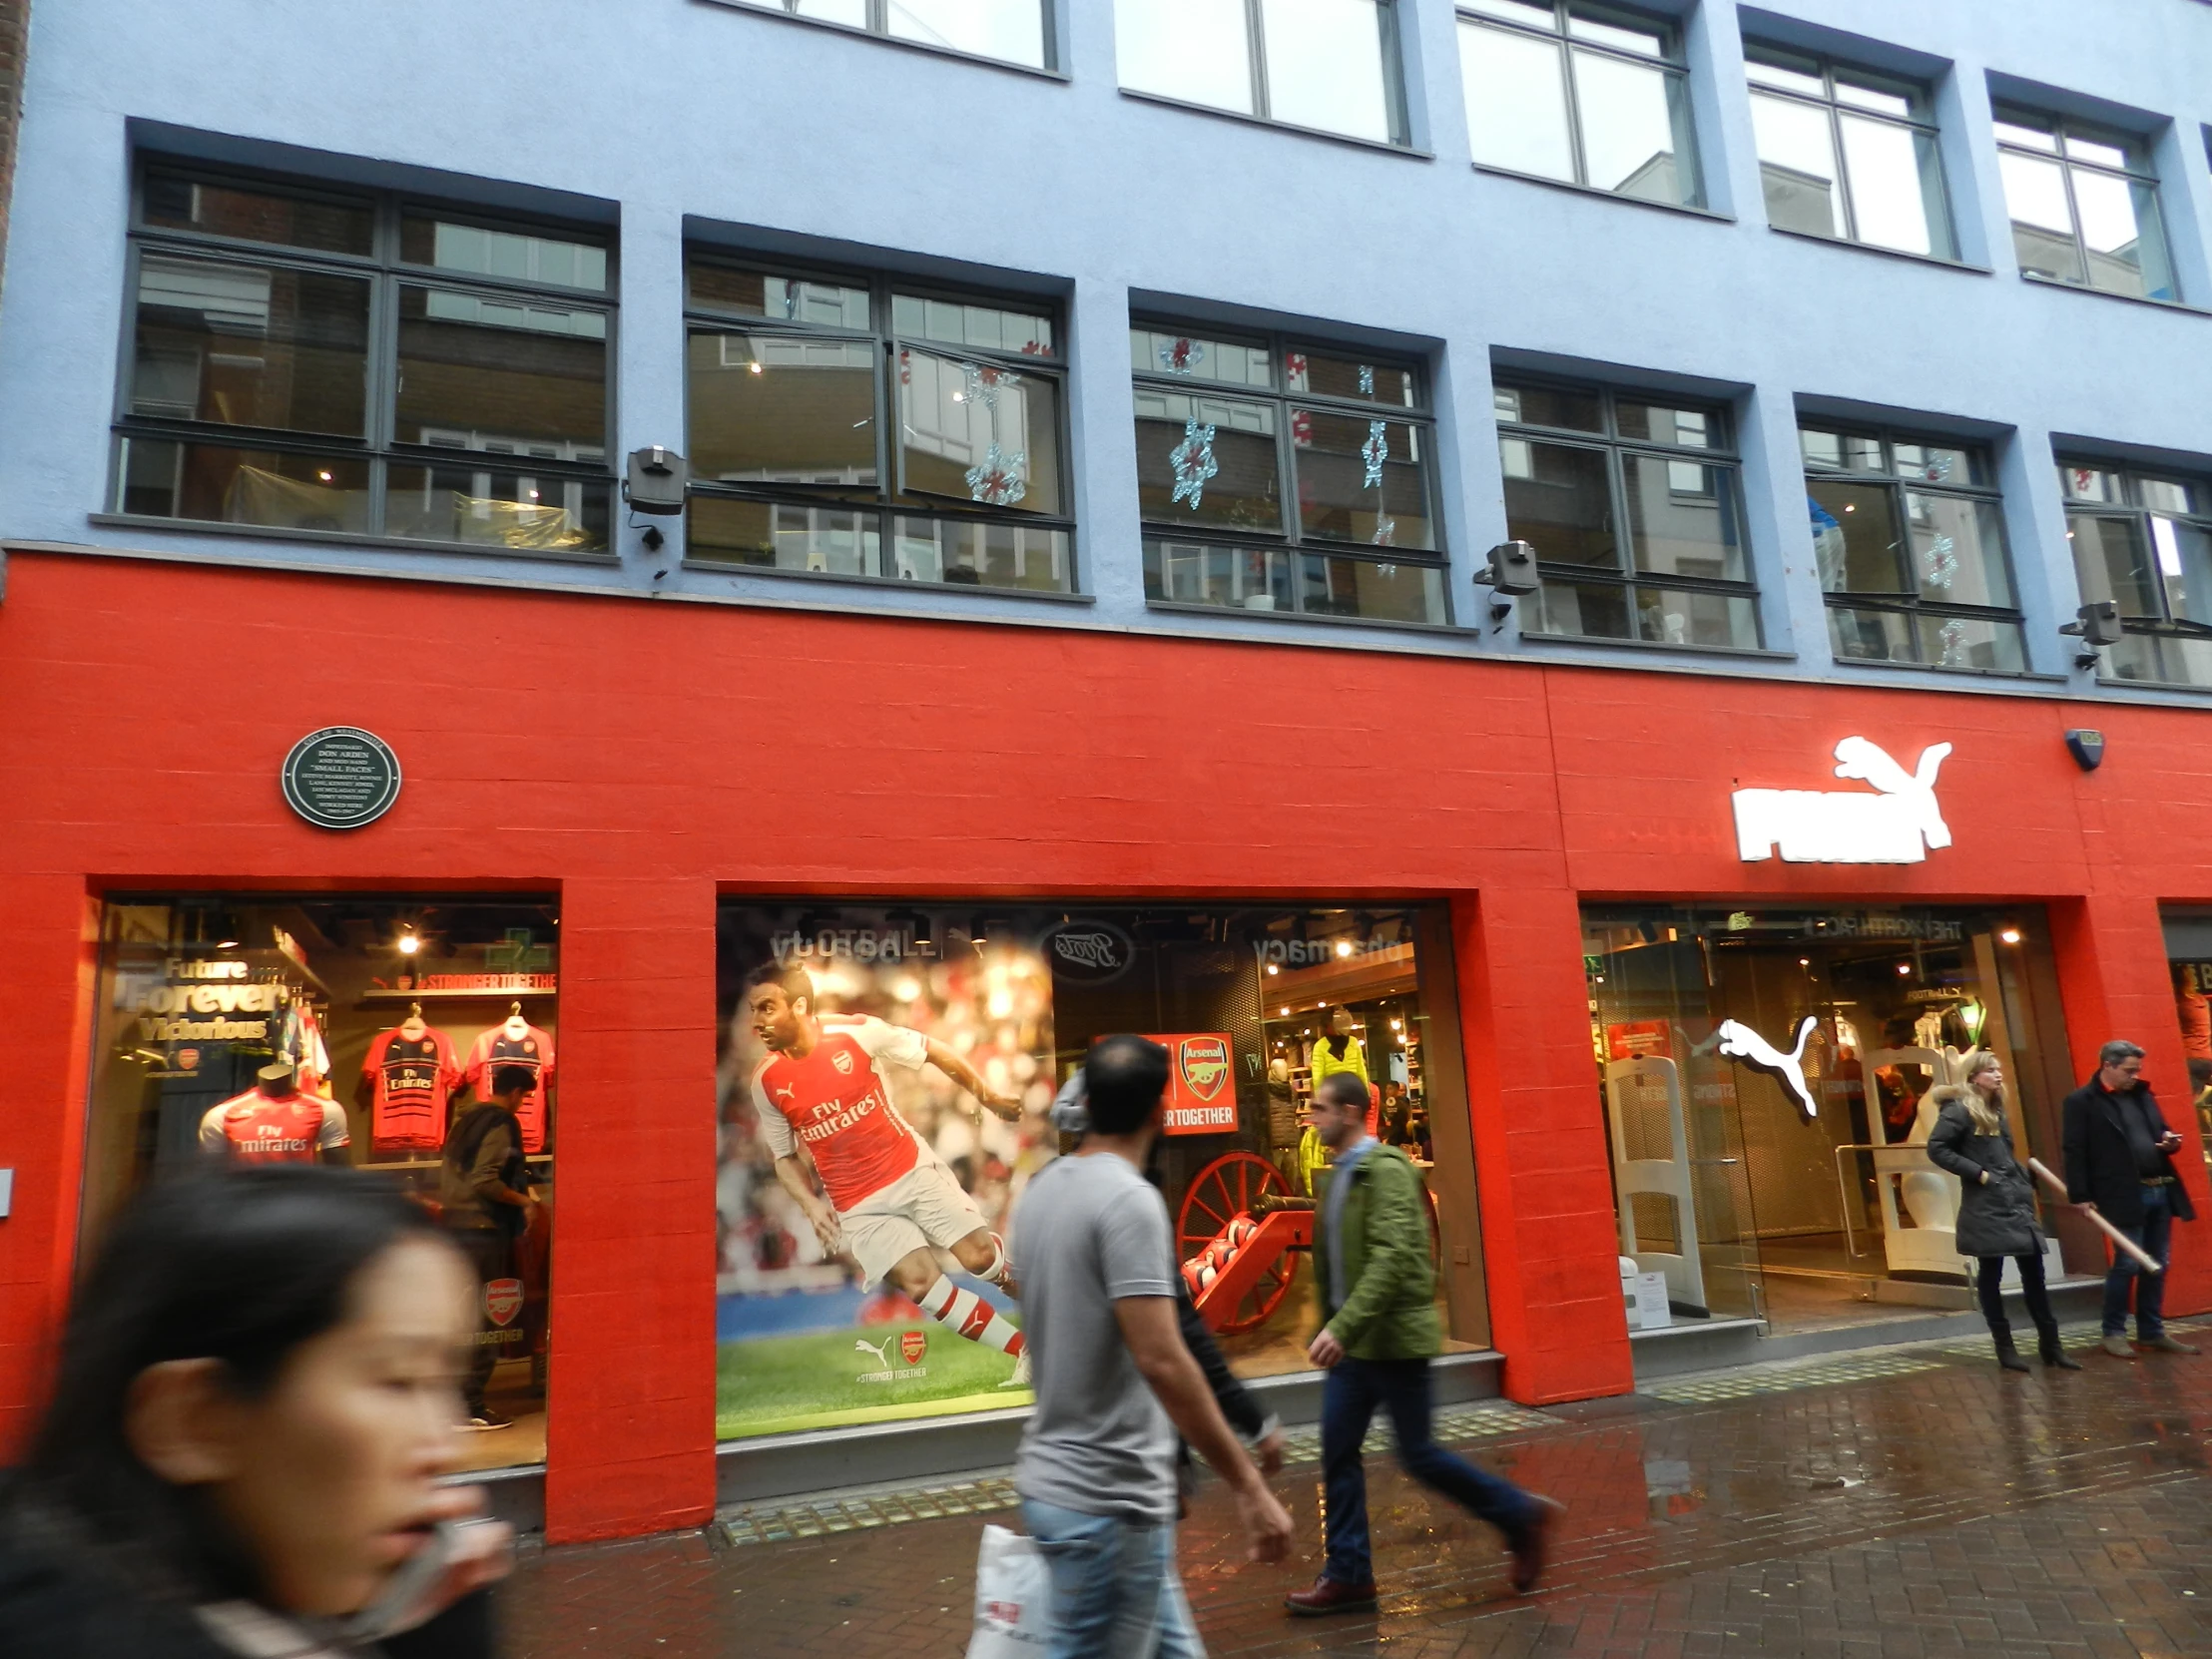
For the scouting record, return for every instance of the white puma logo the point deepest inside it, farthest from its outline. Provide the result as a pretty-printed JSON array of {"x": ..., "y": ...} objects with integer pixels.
[
  {"x": 786, "y": 1091},
  {"x": 883, "y": 1353},
  {"x": 1896, "y": 825},
  {"x": 1739, "y": 1041}
]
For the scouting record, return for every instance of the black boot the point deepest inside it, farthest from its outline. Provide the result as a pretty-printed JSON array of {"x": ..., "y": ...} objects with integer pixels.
[
  {"x": 2051, "y": 1353},
  {"x": 2007, "y": 1355}
]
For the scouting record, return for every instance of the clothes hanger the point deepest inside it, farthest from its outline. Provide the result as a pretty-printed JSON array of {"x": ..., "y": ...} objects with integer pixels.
[
  {"x": 517, "y": 1027},
  {"x": 412, "y": 1027}
]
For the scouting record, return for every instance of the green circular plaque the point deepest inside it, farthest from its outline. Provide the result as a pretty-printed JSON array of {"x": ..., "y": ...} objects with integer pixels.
[{"x": 342, "y": 778}]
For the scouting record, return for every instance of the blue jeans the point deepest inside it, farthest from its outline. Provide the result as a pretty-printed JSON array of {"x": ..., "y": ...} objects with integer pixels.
[
  {"x": 1400, "y": 1387},
  {"x": 2155, "y": 1235},
  {"x": 1115, "y": 1590}
]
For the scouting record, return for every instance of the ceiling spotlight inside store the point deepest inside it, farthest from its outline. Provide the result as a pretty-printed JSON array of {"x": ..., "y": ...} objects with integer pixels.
[
  {"x": 410, "y": 944},
  {"x": 1272, "y": 968},
  {"x": 1804, "y": 961},
  {"x": 2010, "y": 936},
  {"x": 227, "y": 944},
  {"x": 1284, "y": 1012},
  {"x": 1904, "y": 967},
  {"x": 1343, "y": 948}
]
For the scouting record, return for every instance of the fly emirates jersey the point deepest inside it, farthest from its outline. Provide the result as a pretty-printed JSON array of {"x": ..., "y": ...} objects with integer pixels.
[
  {"x": 255, "y": 1129},
  {"x": 533, "y": 1052},
  {"x": 410, "y": 1080},
  {"x": 835, "y": 1103}
]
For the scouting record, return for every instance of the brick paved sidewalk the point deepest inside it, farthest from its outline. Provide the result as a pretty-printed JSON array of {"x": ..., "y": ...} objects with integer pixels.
[{"x": 1930, "y": 1506}]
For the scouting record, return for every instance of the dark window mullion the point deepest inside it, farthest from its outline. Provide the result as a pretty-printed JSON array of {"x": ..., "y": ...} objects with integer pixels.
[
  {"x": 1624, "y": 552},
  {"x": 1570, "y": 88}
]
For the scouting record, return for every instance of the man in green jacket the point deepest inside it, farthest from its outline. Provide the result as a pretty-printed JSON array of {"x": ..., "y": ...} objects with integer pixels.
[{"x": 1378, "y": 1288}]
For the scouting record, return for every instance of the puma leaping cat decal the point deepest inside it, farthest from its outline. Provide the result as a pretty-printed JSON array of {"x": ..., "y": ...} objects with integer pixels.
[{"x": 1739, "y": 1041}]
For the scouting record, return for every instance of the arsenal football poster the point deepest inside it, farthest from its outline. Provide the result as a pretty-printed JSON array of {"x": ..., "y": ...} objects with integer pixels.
[{"x": 885, "y": 1073}]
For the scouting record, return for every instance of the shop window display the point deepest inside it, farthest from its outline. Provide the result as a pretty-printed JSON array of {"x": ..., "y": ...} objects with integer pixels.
[
  {"x": 885, "y": 1079},
  {"x": 414, "y": 1039},
  {"x": 1765, "y": 1077},
  {"x": 2189, "y": 956}
]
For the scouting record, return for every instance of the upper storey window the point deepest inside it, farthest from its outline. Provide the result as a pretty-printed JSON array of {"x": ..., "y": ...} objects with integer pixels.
[
  {"x": 1281, "y": 476},
  {"x": 2146, "y": 540},
  {"x": 1013, "y": 31},
  {"x": 1328, "y": 64},
  {"x": 1849, "y": 155},
  {"x": 1585, "y": 95},
  {"x": 1631, "y": 502},
  {"x": 365, "y": 365},
  {"x": 2085, "y": 207},
  {"x": 850, "y": 425},
  {"x": 1909, "y": 535}
]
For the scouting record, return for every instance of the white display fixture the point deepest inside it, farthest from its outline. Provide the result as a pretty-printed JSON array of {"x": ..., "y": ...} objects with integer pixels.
[{"x": 1634, "y": 1087}]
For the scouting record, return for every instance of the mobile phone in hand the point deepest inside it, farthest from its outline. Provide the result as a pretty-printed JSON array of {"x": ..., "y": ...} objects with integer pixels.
[{"x": 414, "y": 1579}]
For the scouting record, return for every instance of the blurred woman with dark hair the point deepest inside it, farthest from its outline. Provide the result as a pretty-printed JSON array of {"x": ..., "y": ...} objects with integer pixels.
[{"x": 258, "y": 1394}]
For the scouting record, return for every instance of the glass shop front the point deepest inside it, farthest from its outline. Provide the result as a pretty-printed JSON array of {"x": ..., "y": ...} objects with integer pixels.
[{"x": 1766, "y": 1076}]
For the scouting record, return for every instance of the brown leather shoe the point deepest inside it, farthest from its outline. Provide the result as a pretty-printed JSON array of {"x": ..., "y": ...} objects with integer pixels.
[
  {"x": 1532, "y": 1549},
  {"x": 2168, "y": 1345},
  {"x": 1330, "y": 1595}
]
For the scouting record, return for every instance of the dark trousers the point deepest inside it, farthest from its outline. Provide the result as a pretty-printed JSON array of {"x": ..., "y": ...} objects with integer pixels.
[
  {"x": 493, "y": 1254},
  {"x": 1400, "y": 1387},
  {"x": 2155, "y": 1235},
  {"x": 1988, "y": 1284}
]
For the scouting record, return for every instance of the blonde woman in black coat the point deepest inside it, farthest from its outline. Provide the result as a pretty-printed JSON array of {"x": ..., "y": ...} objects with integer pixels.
[{"x": 1996, "y": 1205}]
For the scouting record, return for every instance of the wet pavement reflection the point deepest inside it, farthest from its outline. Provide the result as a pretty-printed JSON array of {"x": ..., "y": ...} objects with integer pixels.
[{"x": 1950, "y": 1508}]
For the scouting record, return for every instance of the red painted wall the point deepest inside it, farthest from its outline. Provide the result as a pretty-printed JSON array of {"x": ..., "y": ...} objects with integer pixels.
[{"x": 642, "y": 756}]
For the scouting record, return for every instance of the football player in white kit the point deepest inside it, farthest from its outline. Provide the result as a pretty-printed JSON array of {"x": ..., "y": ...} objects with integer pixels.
[{"x": 892, "y": 1201}]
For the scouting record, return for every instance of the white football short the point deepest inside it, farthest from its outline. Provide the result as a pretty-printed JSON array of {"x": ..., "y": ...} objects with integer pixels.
[{"x": 925, "y": 1206}]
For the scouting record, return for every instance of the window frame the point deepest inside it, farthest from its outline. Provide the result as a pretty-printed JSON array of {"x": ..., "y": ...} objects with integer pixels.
[
  {"x": 878, "y": 27},
  {"x": 1293, "y": 540},
  {"x": 1390, "y": 46},
  {"x": 388, "y": 273},
  {"x": 1673, "y": 62},
  {"x": 1942, "y": 229},
  {"x": 1901, "y": 485},
  {"x": 2138, "y": 169},
  {"x": 1610, "y": 443},
  {"x": 888, "y": 343},
  {"x": 2138, "y": 512}
]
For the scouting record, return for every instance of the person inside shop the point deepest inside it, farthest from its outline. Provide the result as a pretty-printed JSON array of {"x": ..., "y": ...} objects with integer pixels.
[
  {"x": 486, "y": 1190},
  {"x": 1377, "y": 1281},
  {"x": 1996, "y": 1205},
  {"x": 2120, "y": 1163},
  {"x": 256, "y": 1404}
]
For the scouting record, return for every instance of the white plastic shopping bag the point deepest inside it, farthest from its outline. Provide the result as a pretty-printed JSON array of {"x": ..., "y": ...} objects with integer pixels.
[{"x": 1013, "y": 1598}]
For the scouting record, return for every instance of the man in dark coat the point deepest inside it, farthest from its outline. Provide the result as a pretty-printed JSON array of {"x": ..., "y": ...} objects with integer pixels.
[{"x": 2120, "y": 1163}]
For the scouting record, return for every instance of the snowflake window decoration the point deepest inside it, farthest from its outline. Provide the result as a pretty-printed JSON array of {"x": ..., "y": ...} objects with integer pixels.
[
  {"x": 1375, "y": 452},
  {"x": 1301, "y": 428},
  {"x": 1385, "y": 533},
  {"x": 1940, "y": 562},
  {"x": 998, "y": 479},
  {"x": 1366, "y": 380},
  {"x": 984, "y": 383},
  {"x": 1194, "y": 463},
  {"x": 1939, "y": 469},
  {"x": 1954, "y": 636},
  {"x": 1294, "y": 366},
  {"x": 1181, "y": 356}
]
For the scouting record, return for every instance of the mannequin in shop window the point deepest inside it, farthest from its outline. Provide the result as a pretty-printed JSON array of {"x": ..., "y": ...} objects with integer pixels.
[
  {"x": 274, "y": 1123},
  {"x": 1996, "y": 1205},
  {"x": 1338, "y": 1051}
]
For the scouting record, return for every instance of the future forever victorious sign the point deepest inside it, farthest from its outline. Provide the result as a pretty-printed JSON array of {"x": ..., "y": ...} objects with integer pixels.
[{"x": 1895, "y": 820}]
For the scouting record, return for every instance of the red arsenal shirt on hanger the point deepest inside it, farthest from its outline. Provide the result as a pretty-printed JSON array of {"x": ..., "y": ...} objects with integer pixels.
[
  {"x": 411, "y": 1079},
  {"x": 533, "y": 1051}
]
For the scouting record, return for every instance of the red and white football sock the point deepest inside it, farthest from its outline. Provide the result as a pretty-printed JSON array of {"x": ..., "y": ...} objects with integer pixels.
[{"x": 970, "y": 1315}]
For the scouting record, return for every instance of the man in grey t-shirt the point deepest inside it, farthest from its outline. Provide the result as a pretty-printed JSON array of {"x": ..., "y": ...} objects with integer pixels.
[{"x": 1096, "y": 1264}]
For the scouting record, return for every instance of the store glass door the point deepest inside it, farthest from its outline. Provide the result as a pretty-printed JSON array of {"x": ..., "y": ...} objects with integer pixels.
[{"x": 1767, "y": 1079}]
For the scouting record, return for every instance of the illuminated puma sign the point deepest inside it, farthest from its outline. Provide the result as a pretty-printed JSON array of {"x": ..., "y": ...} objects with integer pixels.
[
  {"x": 1898, "y": 824},
  {"x": 1739, "y": 1041}
]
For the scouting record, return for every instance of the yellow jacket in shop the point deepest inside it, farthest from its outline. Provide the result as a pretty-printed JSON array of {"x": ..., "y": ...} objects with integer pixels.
[{"x": 1328, "y": 1064}]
